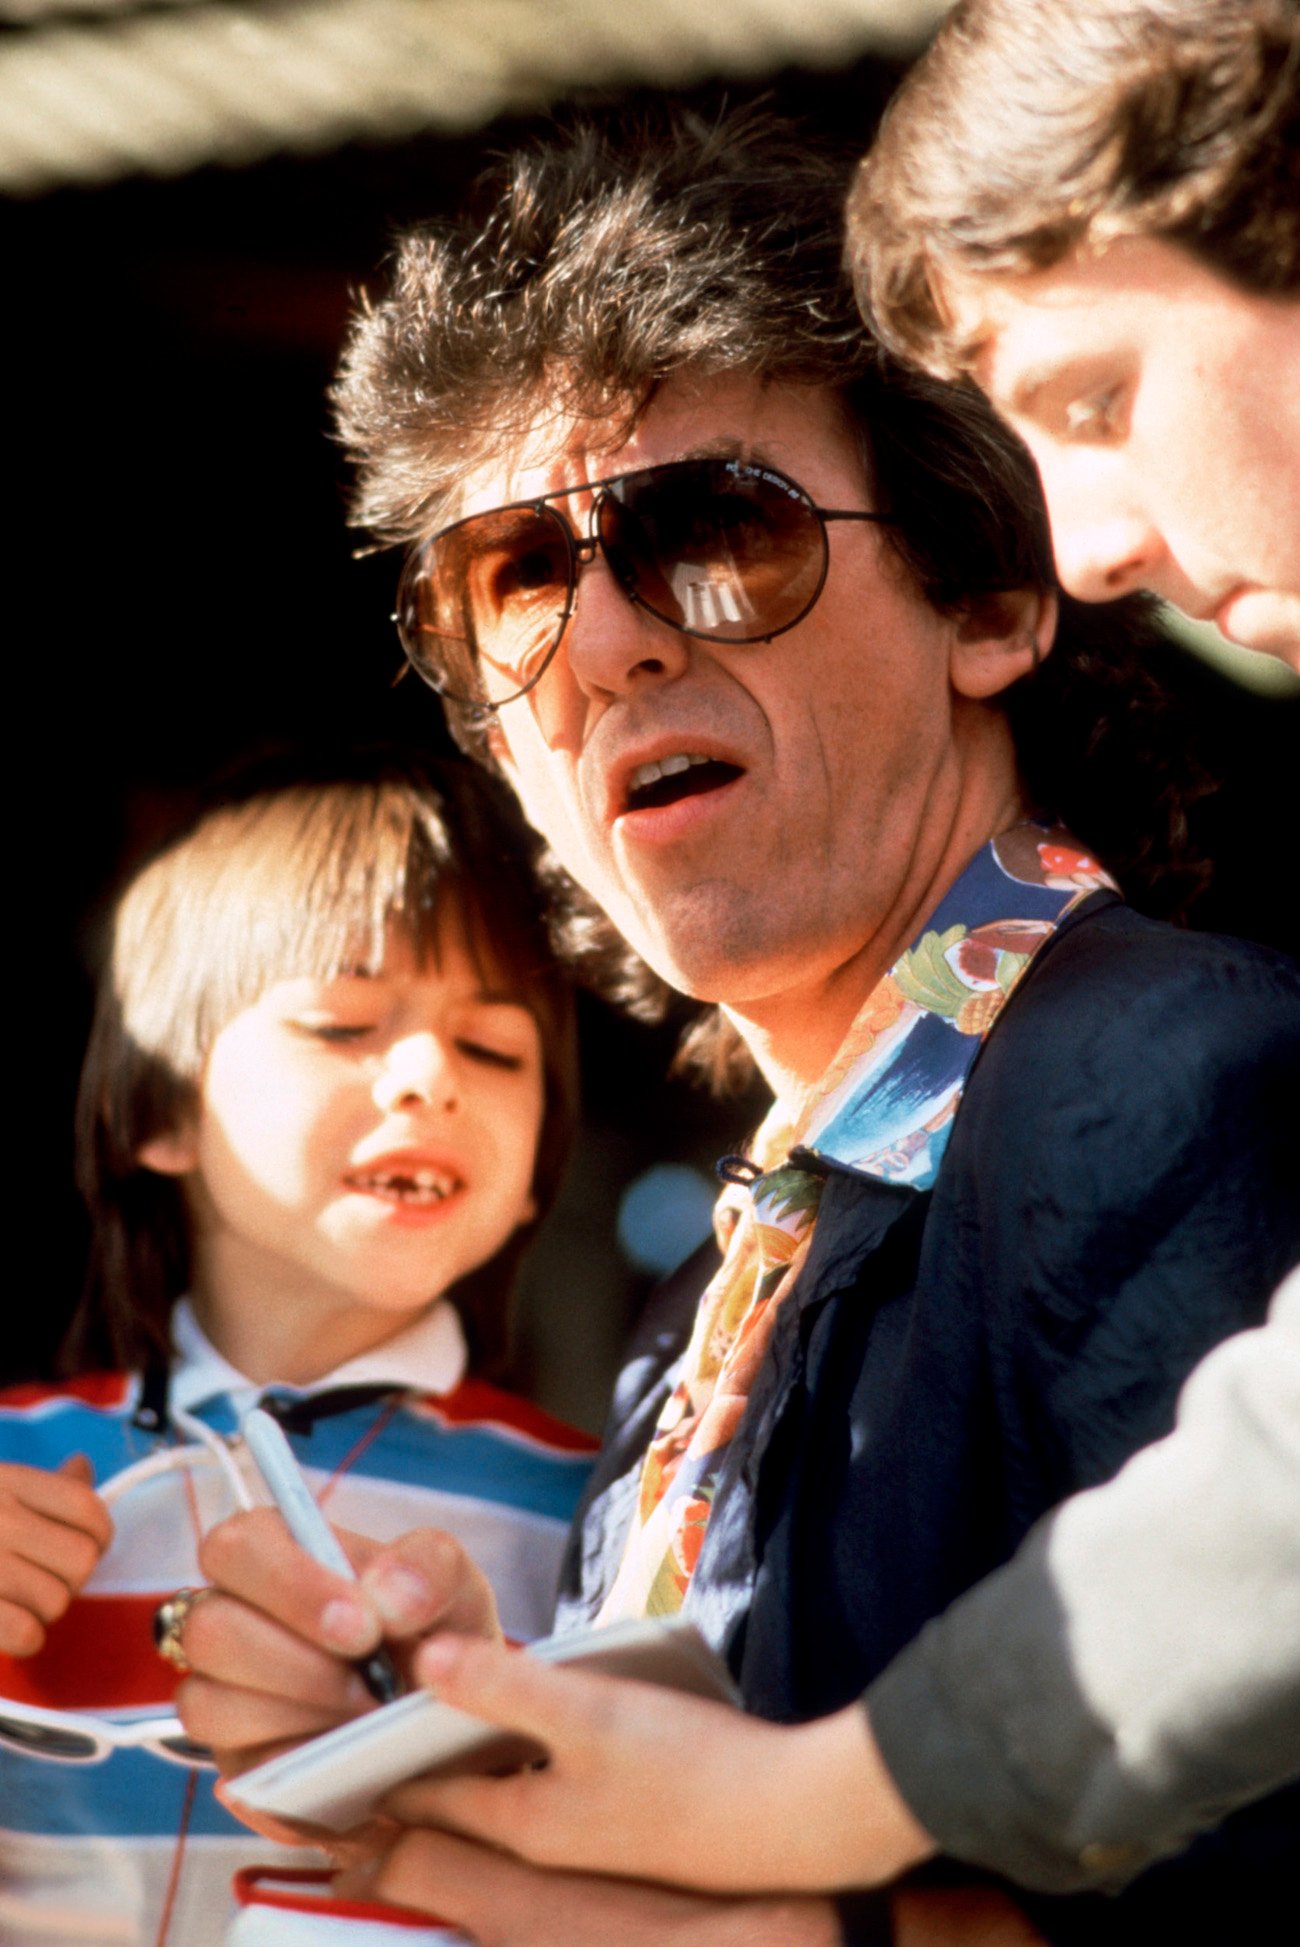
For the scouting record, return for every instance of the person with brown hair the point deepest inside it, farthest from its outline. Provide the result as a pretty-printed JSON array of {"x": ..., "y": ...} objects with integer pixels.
[
  {"x": 1094, "y": 211},
  {"x": 763, "y": 631},
  {"x": 328, "y": 1093}
]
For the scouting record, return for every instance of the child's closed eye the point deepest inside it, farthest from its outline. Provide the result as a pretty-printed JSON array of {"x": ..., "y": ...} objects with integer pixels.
[
  {"x": 333, "y": 1030},
  {"x": 489, "y": 1056}
]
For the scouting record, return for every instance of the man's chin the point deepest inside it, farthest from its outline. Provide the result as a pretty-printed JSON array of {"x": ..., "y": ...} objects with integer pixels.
[{"x": 1264, "y": 620}]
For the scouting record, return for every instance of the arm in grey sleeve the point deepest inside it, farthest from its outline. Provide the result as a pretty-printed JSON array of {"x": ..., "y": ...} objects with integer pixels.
[{"x": 1133, "y": 1674}]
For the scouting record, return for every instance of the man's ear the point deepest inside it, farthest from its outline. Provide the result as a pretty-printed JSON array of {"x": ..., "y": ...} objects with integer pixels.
[
  {"x": 173, "y": 1152},
  {"x": 999, "y": 638},
  {"x": 498, "y": 749}
]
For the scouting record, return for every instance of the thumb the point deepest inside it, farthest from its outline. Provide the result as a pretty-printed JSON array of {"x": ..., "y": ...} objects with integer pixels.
[
  {"x": 502, "y": 1686},
  {"x": 78, "y": 1467}
]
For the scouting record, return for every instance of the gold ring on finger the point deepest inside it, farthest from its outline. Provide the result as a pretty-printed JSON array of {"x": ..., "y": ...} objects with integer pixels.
[{"x": 168, "y": 1623}]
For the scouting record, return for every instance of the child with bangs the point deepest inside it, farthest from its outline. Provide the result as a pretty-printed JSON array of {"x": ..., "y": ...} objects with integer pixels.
[{"x": 328, "y": 1095}]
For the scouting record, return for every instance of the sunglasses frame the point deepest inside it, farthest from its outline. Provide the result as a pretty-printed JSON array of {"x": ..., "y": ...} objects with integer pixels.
[
  {"x": 162, "y": 1737},
  {"x": 583, "y": 548},
  {"x": 159, "y": 1735}
]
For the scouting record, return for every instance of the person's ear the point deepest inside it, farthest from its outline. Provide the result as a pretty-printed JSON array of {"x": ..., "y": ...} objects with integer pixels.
[
  {"x": 999, "y": 638},
  {"x": 172, "y": 1152},
  {"x": 498, "y": 749}
]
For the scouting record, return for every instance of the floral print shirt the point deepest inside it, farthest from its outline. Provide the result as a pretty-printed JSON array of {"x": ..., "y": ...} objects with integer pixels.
[{"x": 884, "y": 1109}]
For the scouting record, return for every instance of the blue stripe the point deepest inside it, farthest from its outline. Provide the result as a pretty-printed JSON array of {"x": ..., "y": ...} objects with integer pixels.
[
  {"x": 471, "y": 1460},
  {"x": 44, "y": 1434},
  {"x": 132, "y": 1795}
]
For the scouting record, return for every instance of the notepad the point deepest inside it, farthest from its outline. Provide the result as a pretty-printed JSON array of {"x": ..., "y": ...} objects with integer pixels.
[{"x": 336, "y": 1780}]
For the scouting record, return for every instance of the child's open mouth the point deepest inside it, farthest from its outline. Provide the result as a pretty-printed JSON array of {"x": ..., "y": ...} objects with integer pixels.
[{"x": 421, "y": 1187}]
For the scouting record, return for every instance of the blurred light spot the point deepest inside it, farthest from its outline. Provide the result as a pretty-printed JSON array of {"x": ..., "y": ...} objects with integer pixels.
[{"x": 664, "y": 1214}]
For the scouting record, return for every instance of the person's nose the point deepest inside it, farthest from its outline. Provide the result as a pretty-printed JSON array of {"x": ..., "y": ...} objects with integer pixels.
[
  {"x": 612, "y": 645},
  {"x": 417, "y": 1071},
  {"x": 1105, "y": 542}
]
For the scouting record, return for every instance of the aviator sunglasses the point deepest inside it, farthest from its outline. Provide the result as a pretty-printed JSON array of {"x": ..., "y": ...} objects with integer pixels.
[{"x": 726, "y": 550}]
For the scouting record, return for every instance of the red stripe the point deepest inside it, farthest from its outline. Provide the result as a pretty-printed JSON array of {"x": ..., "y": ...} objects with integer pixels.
[
  {"x": 93, "y": 1388},
  {"x": 249, "y": 1891},
  {"x": 100, "y": 1656},
  {"x": 474, "y": 1401}
]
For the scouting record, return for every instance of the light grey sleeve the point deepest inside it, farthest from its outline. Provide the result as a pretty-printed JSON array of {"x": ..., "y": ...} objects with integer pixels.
[{"x": 1134, "y": 1673}]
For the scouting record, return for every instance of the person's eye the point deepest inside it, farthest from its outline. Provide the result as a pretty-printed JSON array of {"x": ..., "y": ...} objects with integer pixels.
[
  {"x": 490, "y": 1057},
  {"x": 332, "y": 1031},
  {"x": 1096, "y": 415}
]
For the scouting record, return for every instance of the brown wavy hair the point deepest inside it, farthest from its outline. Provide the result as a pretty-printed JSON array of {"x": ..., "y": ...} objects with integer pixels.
[
  {"x": 298, "y": 868},
  {"x": 1032, "y": 127},
  {"x": 596, "y": 264}
]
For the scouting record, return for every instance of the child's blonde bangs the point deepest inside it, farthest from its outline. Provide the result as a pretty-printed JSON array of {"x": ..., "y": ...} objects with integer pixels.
[{"x": 308, "y": 881}]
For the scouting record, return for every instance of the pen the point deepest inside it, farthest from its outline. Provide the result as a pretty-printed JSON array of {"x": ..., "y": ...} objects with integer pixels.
[{"x": 310, "y": 1529}]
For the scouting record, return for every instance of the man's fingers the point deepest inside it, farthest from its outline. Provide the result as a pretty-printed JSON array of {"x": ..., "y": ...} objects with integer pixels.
[
  {"x": 421, "y": 1581},
  {"x": 504, "y": 1686},
  {"x": 244, "y": 1727},
  {"x": 246, "y": 1650},
  {"x": 572, "y": 1714},
  {"x": 77, "y": 1467},
  {"x": 275, "y": 1639},
  {"x": 495, "y": 1809},
  {"x": 436, "y": 1873},
  {"x": 252, "y": 1556},
  {"x": 424, "y": 1580},
  {"x": 501, "y": 1902}
]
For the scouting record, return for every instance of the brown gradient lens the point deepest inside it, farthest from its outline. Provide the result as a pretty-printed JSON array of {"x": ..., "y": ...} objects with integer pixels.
[
  {"x": 720, "y": 549},
  {"x": 488, "y": 599},
  {"x": 715, "y": 548}
]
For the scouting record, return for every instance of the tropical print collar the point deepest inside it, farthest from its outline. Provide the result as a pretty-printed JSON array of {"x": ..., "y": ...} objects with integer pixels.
[
  {"x": 886, "y": 1105},
  {"x": 884, "y": 1109}
]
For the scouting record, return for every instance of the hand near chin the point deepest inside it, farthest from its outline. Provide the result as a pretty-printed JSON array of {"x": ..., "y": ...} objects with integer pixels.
[{"x": 271, "y": 1648}]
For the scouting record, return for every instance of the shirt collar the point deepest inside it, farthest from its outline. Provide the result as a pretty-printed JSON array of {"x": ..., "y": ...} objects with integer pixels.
[
  {"x": 427, "y": 1356},
  {"x": 886, "y": 1106}
]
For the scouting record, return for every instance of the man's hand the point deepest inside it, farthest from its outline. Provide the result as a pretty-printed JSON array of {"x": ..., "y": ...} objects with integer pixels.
[
  {"x": 501, "y": 1902},
  {"x": 53, "y": 1530},
  {"x": 643, "y": 1781},
  {"x": 271, "y": 1648}
]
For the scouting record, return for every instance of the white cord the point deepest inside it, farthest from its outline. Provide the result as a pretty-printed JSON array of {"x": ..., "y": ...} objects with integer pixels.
[{"x": 207, "y": 1447}]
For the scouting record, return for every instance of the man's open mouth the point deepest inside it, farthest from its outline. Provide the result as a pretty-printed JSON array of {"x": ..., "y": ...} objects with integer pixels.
[
  {"x": 421, "y": 1187},
  {"x": 666, "y": 779}
]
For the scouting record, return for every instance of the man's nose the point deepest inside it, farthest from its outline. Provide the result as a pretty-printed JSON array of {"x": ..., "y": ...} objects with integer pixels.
[
  {"x": 1105, "y": 543},
  {"x": 613, "y": 645},
  {"x": 1101, "y": 558},
  {"x": 417, "y": 1071}
]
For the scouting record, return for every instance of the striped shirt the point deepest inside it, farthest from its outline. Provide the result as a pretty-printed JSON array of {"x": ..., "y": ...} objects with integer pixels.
[{"x": 136, "y": 1849}]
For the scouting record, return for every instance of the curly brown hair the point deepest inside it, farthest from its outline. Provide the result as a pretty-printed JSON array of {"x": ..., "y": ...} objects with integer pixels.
[
  {"x": 593, "y": 266},
  {"x": 1032, "y": 127}
]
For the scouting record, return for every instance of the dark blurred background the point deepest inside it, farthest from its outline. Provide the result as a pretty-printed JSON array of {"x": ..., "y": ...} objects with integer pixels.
[{"x": 192, "y": 194}]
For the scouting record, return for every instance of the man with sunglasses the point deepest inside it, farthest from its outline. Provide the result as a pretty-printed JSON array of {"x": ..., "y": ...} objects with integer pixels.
[{"x": 758, "y": 626}]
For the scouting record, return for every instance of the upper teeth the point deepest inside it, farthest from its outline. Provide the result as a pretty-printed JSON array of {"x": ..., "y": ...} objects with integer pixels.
[
  {"x": 663, "y": 767},
  {"x": 426, "y": 1181}
]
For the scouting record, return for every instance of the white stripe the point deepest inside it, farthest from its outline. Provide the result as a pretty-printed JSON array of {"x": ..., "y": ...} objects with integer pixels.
[{"x": 110, "y": 1891}]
